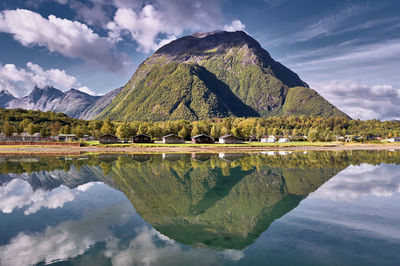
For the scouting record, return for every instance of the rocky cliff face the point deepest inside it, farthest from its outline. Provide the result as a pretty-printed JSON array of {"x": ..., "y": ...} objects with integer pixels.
[
  {"x": 97, "y": 107},
  {"x": 169, "y": 85},
  {"x": 5, "y": 97}
]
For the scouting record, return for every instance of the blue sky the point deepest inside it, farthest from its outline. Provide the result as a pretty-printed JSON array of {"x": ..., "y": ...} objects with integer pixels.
[{"x": 349, "y": 51}]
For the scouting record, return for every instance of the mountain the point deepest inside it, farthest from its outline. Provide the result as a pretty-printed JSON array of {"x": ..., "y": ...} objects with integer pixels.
[
  {"x": 72, "y": 102},
  {"x": 214, "y": 74},
  {"x": 93, "y": 110},
  {"x": 5, "y": 97}
]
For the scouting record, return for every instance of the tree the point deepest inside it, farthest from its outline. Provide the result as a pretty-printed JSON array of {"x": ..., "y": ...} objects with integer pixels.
[
  {"x": 31, "y": 128},
  {"x": 7, "y": 128},
  {"x": 108, "y": 127},
  {"x": 55, "y": 128},
  {"x": 184, "y": 133},
  {"x": 123, "y": 131},
  {"x": 214, "y": 132},
  {"x": 313, "y": 134},
  {"x": 195, "y": 130}
]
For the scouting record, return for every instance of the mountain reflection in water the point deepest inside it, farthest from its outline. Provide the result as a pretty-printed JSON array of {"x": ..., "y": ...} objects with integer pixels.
[{"x": 218, "y": 201}]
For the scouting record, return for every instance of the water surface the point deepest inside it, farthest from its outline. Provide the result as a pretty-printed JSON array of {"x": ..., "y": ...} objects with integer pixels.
[{"x": 325, "y": 208}]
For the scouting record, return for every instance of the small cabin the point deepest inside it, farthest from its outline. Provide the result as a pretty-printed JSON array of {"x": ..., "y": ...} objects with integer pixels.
[
  {"x": 173, "y": 139},
  {"x": 36, "y": 137},
  {"x": 283, "y": 140},
  {"x": 67, "y": 137},
  {"x": 202, "y": 138},
  {"x": 230, "y": 139},
  {"x": 395, "y": 139},
  {"x": 25, "y": 136},
  {"x": 141, "y": 138},
  {"x": 268, "y": 139},
  {"x": 2, "y": 136},
  {"x": 108, "y": 139}
]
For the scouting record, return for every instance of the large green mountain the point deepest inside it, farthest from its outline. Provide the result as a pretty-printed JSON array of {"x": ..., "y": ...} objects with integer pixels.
[{"x": 214, "y": 74}]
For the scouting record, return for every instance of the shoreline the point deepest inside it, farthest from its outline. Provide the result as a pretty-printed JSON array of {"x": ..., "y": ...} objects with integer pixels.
[{"x": 188, "y": 149}]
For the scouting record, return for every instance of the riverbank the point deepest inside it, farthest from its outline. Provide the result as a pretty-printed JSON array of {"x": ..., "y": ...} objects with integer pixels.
[{"x": 188, "y": 148}]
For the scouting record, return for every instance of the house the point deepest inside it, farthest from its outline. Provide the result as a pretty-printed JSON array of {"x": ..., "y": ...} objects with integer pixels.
[
  {"x": 173, "y": 139},
  {"x": 230, "y": 139},
  {"x": 283, "y": 140},
  {"x": 2, "y": 136},
  {"x": 395, "y": 139},
  {"x": 25, "y": 136},
  {"x": 36, "y": 137},
  {"x": 108, "y": 139},
  {"x": 269, "y": 139},
  {"x": 202, "y": 138},
  {"x": 141, "y": 138},
  {"x": 15, "y": 137},
  {"x": 67, "y": 137}
]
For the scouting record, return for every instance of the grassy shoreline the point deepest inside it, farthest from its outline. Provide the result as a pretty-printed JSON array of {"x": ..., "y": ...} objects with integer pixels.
[{"x": 193, "y": 148}]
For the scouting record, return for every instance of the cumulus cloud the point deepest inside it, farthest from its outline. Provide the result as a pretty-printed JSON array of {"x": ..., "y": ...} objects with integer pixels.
[
  {"x": 362, "y": 101},
  {"x": 161, "y": 21},
  {"x": 359, "y": 181},
  {"x": 69, "y": 38},
  {"x": 20, "y": 81},
  {"x": 236, "y": 25}
]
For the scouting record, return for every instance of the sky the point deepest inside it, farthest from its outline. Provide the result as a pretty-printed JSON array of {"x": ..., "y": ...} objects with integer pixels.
[{"x": 347, "y": 50}]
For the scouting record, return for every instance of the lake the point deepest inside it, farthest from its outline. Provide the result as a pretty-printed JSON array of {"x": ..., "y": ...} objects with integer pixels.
[{"x": 275, "y": 208}]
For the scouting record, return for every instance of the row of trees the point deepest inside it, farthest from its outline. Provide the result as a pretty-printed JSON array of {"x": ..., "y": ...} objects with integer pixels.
[{"x": 316, "y": 128}]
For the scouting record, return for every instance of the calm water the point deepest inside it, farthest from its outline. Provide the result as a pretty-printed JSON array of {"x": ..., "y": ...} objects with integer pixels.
[{"x": 316, "y": 208}]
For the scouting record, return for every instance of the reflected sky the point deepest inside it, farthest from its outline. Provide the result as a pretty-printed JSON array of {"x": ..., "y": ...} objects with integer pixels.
[{"x": 349, "y": 218}]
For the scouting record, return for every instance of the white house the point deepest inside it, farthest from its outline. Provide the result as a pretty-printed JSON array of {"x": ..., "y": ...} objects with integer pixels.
[
  {"x": 283, "y": 140},
  {"x": 395, "y": 139},
  {"x": 269, "y": 139}
]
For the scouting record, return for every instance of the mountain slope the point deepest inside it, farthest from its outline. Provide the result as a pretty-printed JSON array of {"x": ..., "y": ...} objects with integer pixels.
[
  {"x": 72, "y": 102},
  {"x": 93, "y": 110},
  {"x": 233, "y": 62},
  {"x": 179, "y": 91},
  {"x": 5, "y": 98}
]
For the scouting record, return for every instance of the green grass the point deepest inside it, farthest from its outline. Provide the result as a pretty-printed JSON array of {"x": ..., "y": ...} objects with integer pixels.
[{"x": 190, "y": 144}]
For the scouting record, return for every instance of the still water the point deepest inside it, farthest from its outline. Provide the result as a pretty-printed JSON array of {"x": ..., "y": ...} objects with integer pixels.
[{"x": 315, "y": 208}]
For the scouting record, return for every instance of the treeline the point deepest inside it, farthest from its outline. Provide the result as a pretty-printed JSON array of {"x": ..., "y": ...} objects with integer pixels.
[
  {"x": 181, "y": 163},
  {"x": 316, "y": 128}
]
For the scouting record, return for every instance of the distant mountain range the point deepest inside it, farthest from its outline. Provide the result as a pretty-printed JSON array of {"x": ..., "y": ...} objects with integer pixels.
[
  {"x": 73, "y": 102},
  {"x": 204, "y": 75}
]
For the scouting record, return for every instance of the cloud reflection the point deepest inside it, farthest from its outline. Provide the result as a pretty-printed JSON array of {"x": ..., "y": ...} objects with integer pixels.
[
  {"x": 19, "y": 194},
  {"x": 360, "y": 181}
]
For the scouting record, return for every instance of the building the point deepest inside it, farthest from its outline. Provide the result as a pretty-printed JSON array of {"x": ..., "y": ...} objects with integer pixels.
[
  {"x": 67, "y": 137},
  {"x": 108, "y": 139},
  {"x": 141, "y": 138},
  {"x": 25, "y": 136},
  {"x": 202, "y": 138},
  {"x": 2, "y": 136},
  {"x": 283, "y": 140},
  {"x": 230, "y": 139},
  {"x": 36, "y": 137},
  {"x": 173, "y": 139},
  {"x": 395, "y": 139},
  {"x": 269, "y": 139}
]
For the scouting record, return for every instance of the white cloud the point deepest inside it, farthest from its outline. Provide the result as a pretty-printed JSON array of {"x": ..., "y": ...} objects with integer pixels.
[
  {"x": 236, "y": 25},
  {"x": 161, "y": 21},
  {"x": 57, "y": 76},
  {"x": 361, "y": 101},
  {"x": 20, "y": 81},
  {"x": 69, "y": 38}
]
